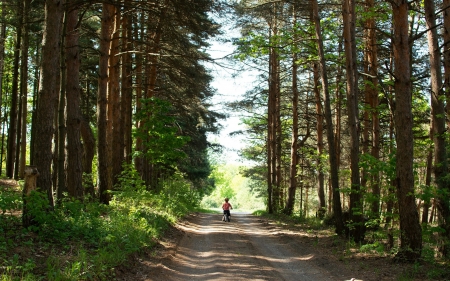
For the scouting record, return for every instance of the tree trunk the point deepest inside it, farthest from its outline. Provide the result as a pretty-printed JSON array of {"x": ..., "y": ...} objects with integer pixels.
[
  {"x": 438, "y": 119},
  {"x": 13, "y": 114},
  {"x": 73, "y": 111},
  {"x": 34, "y": 103},
  {"x": 337, "y": 208},
  {"x": 89, "y": 152},
  {"x": 2, "y": 54},
  {"x": 320, "y": 145},
  {"x": 338, "y": 115},
  {"x": 273, "y": 128},
  {"x": 24, "y": 89},
  {"x": 426, "y": 203},
  {"x": 138, "y": 160},
  {"x": 289, "y": 206},
  {"x": 371, "y": 119},
  {"x": 127, "y": 84},
  {"x": 30, "y": 174},
  {"x": 103, "y": 177},
  {"x": 114, "y": 114},
  {"x": 61, "y": 132},
  {"x": 48, "y": 95},
  {"x": 356, "y": 206},
  {"x": 446, "y": 55},
  {"x": 410, "y": 230}
]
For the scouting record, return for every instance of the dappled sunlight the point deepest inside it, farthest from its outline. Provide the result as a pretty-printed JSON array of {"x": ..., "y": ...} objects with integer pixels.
[{"x": 243, "y": 248}]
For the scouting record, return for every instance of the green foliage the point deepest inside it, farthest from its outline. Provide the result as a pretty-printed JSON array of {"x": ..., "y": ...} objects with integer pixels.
[
  {"x": 376, "y": 247},
  {"x": 230, "y": 183},
  {"x": 9, "y": 200},
  {"x": 159, "y": 133},
  {"x": 104, "y": 236}
]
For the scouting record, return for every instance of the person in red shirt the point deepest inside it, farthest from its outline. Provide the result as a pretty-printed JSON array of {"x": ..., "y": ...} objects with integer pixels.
[{"x": 226, "y": 207}]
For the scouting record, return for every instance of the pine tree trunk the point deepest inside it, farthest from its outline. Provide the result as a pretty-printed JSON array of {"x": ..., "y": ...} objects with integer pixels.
[
  {"x": 103, "y": 178},
  {"x": 356, "y": 204},
  {"x": 289, "y": 206},
  {"x": 2, "y": 52},
  {"x": 13, "y": 114},
  {"x": 127, "y": 84},
  {"x": 73, "y": 110},
  {"x": 426, "y": 203},
  {"x": 88, "y": 157},
  {"x": 320, "y": 145},
  {"x": 114, "y": 114},
  {"x": 438, "y": 119},
  {"x": 138, "y": 160},
  {"x": 34, "y": 103},
  {"x": 410, "y": 230},
  {"x": 337, "y": 208},
  {"x": 446, "y": 55},
  {"x": 61, "y": 132},
  {"x": 24, "y": 89},
  {"x": 375, "y": 152},
  {"x": 48, "y": 95},
  {"x": 371, "y": 119}
]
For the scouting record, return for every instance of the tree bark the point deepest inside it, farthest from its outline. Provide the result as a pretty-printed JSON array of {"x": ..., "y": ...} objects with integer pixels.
[
  {"x": 103, "y": 177},
  {"x": 410, "y": 230},
  {"x": 24, "y": 89},
  {"x": 30, "y": 175},
  {"x": 48, "y": 95},
  {"x": 127, "y": 84},
  {"x": 356, "y": 205},
  {"x": 439, "y": 130},
  {"x": 13, "y": 114},
  {"x": 73, "y": 111},
  {"x": 61, "y": 132},
  {"x": 337, "y": 208},
  {"x": 114, "y": 114},
  {"x": 320, "y": 145},
  {"x": 446, "y": 54},
  {"x": 371, "y": 118},
  {"x": 89, "y": 152},
  {"x": 138, "y": 160},
  {"x": 2, "y": 53},
  {"x": 289, "y": 206}
]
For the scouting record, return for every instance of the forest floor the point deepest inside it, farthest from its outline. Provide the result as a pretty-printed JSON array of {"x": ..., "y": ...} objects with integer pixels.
[{"x": 202, "y": 247}]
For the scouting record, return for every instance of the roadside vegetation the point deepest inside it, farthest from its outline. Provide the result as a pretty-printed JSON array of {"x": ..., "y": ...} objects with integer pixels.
[
  {"x": 374, "y": 254},
  {"x": 87, "y": 240}
]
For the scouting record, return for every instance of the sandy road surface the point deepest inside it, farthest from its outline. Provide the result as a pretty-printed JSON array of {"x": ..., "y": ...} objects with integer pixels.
[{"x": 244, "y": 249}]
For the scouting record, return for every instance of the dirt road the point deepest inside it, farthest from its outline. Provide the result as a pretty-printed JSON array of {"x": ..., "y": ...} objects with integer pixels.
[{"x": 244, "y": 249}]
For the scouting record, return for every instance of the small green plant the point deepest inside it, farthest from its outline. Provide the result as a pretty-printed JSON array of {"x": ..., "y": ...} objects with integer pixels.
[{"x": 376, "y": 247}]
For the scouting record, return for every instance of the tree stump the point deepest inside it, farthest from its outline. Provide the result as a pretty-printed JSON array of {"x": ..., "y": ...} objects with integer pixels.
[{"x": 30, "y": 174}]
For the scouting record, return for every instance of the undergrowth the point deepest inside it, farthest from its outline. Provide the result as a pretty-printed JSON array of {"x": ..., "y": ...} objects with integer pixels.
[{"x": 85, "y": 240}]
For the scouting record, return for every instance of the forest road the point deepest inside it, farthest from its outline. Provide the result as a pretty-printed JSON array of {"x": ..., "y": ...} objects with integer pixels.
[{"x": 246, "y": 248}]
